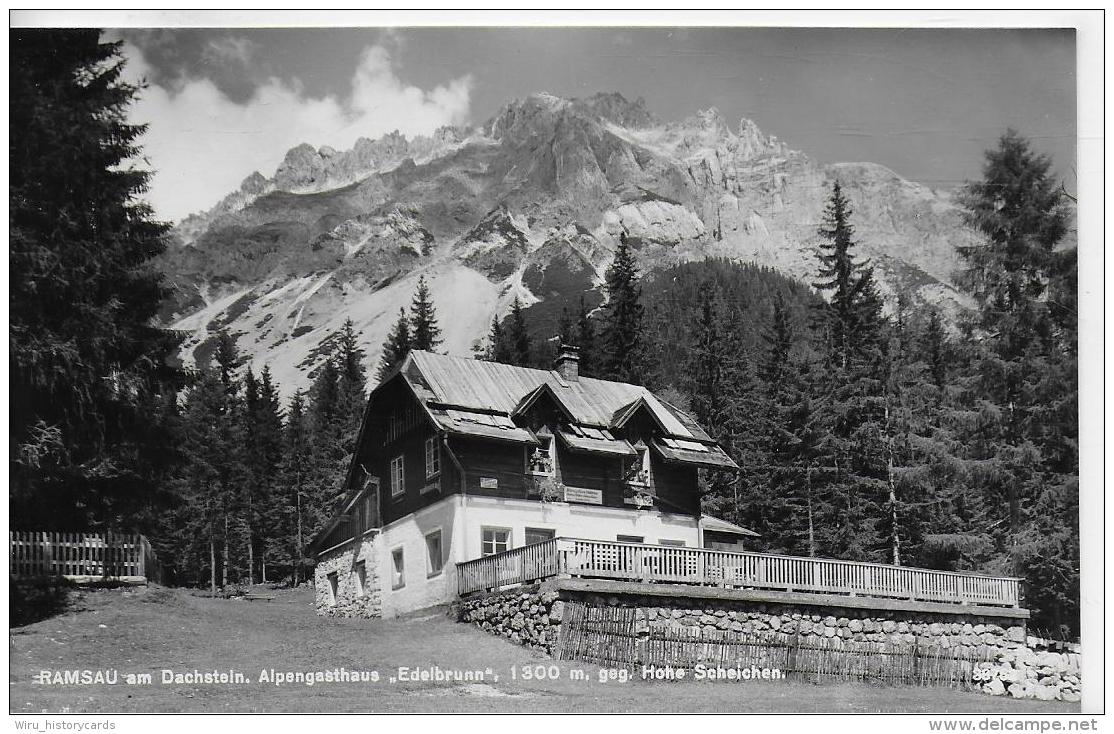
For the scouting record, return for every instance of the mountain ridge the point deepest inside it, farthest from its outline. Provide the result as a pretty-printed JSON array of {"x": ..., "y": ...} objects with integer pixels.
[{"x": 484, "y": 212}]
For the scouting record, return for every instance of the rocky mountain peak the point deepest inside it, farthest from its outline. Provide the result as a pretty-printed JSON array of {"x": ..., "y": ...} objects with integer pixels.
[
  {"x": 616, "y": 108},
  {"x": 539, "y": 114},
  {"x": 253, "y": 184},
  {"x": 531, "y": 206}
]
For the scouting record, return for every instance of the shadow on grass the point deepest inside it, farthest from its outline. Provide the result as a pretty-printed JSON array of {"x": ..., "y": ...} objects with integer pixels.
[{"x": 33, "y": 600}]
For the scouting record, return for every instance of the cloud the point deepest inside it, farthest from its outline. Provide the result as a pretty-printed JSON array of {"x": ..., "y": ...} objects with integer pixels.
[
  {"x": 230, "y": 49},
  {"x": 201, "y": 144}
]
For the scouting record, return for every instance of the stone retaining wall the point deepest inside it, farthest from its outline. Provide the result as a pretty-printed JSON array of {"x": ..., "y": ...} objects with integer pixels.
[
  {"x": 349, "y": 600},
  {"x": 531, "y": 616},
  {"x": 971, "y": 634}
]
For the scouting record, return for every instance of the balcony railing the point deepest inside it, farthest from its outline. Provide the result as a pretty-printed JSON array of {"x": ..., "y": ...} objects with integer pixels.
[{"x": 667, "y": 564}]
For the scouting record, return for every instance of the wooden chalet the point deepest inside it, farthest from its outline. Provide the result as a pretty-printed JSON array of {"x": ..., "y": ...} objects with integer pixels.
[{"x": 460, "y": 459}]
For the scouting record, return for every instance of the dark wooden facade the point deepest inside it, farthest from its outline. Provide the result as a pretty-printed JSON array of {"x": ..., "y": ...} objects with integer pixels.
[
  {"x": 399, "y": 422},
  {"x": 466, "y": 461}
]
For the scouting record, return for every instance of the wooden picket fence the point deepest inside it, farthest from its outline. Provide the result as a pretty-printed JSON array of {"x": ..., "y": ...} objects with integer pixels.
[
  {"x": 108, "y": 556},
  {"x": 608, "y": 636}
]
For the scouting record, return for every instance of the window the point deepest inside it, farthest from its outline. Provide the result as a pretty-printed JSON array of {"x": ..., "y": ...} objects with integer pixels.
[
  {"x": 538, "y": 535},
  {"x": 672, "y": 543},
  {"x": 540, "y": 459},
  {"x": 398, "y": 477},
  {"x": 629, "y": 538},
  {"x": 332, "y": 588},
  {"x": 495, "y": 540},
  {"x": 361, "y": 579},
  {"x": 433, "y": 550},
  {"x": 432, "y": 458},
  {"x": 398, "y": 569}
]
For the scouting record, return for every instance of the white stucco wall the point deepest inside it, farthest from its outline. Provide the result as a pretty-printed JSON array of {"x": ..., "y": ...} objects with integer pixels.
[
  {"x": 571, "y": 520},
  {"x": 461, "y": 520},
  {"x": 409, "y": 533}
]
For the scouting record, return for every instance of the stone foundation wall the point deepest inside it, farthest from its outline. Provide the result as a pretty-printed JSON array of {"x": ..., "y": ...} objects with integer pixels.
[
  {"x": 529, "y": 616},
  {"x": 349, "y": 599},
  {"x": 532, "y": 615},
  {"x": 974, "y": 635}
]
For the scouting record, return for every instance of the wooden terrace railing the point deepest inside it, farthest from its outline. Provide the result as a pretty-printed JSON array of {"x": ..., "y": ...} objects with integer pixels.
[{"x": 668, "y": 564}]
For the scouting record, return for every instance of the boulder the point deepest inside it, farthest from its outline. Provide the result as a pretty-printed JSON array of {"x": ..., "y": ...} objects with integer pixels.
[{"x": 1046, "y": 693}]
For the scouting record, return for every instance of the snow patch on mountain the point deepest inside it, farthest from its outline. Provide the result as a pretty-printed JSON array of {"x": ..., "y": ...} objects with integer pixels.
[{"x": 531, "y": 204}]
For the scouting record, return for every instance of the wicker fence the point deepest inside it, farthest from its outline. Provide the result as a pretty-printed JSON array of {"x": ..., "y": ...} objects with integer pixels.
[
  {"x": 608, "y": 636},
  {"x": 108, "y": 556}
]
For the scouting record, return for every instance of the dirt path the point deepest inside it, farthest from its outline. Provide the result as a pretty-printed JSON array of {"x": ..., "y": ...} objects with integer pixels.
[{"x": 149, "y": 631}]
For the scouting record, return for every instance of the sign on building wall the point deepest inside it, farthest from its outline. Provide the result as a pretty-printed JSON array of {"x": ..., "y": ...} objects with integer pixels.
[
  {"x": 586, "y": 496},
  {"x": 489, "y": 483}
]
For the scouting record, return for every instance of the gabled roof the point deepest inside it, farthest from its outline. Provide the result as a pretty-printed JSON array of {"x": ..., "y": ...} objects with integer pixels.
[
  {"x": 469, "y": 385},
  {"x": 719, "y": 525},
  {"x": 535, "y": 395},
  {"x": 665, "y": 418}
]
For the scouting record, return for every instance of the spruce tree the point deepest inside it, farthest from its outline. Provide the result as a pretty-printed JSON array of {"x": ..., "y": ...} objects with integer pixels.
[
  {"x": 498, "y": 347},
  {"x": 850, "y": 328},
  {"x": 397, "y": 346},
  {"x": 778, "y": 338},
  {"x": 210, "y": 482},
  {"x": 518, "y": 337},
  {"x": 934, "y": 349},
  {"x": 327, "y": 444},
  {"x": 851, "y": 316},
  {"x": 622, "y": 325},
  {"x": 425, "y": 334},
  {"x": 264, "y": 423},
  {"x": 227, "y": 357},
  {"x": 89, "y": 369},
  {"x": 1024, "y": 379},
  {"x": 351, "y": 386},
  {"x": 719, "y": 389},
  {"x": 710, "y": 390},
  {"x": 296, "y": 474}
]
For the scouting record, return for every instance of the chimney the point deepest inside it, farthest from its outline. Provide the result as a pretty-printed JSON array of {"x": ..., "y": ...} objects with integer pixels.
[{"x": 567, "y": 363}]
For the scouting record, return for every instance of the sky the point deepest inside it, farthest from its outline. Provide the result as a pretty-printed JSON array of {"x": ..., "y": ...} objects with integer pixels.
[{"x": 222, "y": 103}]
